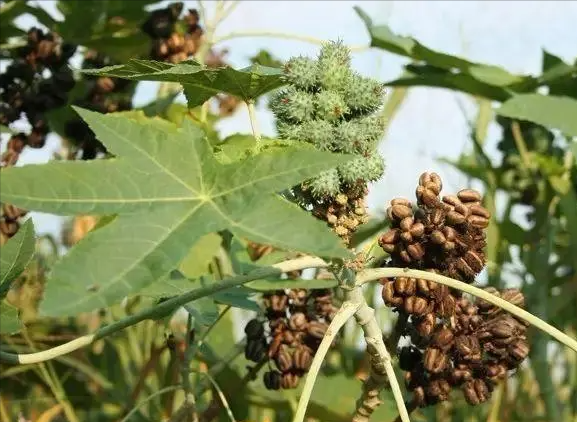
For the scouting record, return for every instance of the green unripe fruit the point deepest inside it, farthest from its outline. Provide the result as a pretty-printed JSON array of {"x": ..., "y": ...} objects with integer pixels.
[
  {"x": 320, "y": 133},
  {"x": 334, "y": 77},
  {"x": 373, "y": 129},
  {"x": 290, "y": 131},
  {"x": 330, "y": 106},
  {"x": 301, "y": 72},
  {"x": 335, "y": 52},
  {"x": 293, "y": 105},
  {"x": 375, "y": 167},
  {"x": 325, "y": 184},
  {"x": 352, "y": 171},
  {"x": 364, "y": 94},
  {"x": 348, "y": 135}
]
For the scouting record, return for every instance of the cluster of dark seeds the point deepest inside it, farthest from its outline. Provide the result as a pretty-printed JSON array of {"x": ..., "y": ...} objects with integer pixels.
[
  {"x": 38, "y": 80},
  {"x": 295, "y": 323},
  {"x": 454, "y": 343}
]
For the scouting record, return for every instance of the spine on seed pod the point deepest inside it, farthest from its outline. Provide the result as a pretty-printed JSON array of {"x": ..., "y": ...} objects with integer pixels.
[{"x": 331, "y": 107}]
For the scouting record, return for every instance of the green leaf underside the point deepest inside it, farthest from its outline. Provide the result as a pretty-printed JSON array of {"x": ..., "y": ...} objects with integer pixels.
[
  {"x": 15, "y": 256},
  {"x": 553, "y": 112},
  {"x": 9, "y": 321},
  {"x": 167, "y": 191},
  {"x": 199, "y": 82}
]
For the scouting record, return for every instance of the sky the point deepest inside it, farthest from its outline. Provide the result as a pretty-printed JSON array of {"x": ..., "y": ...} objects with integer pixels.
[{"x": 431, "y": 123}]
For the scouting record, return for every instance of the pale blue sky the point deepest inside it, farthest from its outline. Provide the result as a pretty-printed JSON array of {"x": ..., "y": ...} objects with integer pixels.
[{"x": 430, "y": 123}]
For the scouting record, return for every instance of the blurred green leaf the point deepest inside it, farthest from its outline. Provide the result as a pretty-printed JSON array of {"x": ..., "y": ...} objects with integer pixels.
[
  {"x": 9, "y": 321},
  {"x": 552, "y": 112},
  {"x": 15, "y": 255},
  {"x": 234, "y": 147},
  {"x": 494, "y": 75},
  {"x": 204, "y": 311},
  {"x": 195, "y": 264},
  {"x": 199, "y": 82}
]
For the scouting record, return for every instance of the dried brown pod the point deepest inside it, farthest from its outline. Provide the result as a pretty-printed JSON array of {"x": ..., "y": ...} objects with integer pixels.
[
  {"x": 476, "y": 391},
  {"x": 434, "y": 360}
]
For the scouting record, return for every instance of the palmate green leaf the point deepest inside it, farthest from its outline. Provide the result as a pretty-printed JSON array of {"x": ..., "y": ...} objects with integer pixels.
[
  {"x": 15, "y": 256},
  {"x": 167, "y": 191},
  {"x": 550, "y": 111},
  {"x": 199, "y": 82}
]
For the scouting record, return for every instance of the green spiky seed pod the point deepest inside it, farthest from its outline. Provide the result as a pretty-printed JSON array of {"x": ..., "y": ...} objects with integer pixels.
[
  {"x": 348, "y": 134},
  {"x": 374, "y": 167},
  {"x": 373, "y": 128},
  {"x": 330, "y": 106},
  {"x": 334, "y": 77},
  {"x": 326, "y": 184},
  {"x": 364, "y": 95},
  {"x": 335, "y": 52},
  {"x": 293, "y": 105},
  {"x": 320, "y": 133},
  {"x": 301, "y": 72},
  {"x": 291, "y": 131},
  {"x": 352, "y": 171}
]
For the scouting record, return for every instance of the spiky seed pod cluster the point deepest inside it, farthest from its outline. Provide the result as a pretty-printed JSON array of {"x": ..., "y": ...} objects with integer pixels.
[
  {"x": 38, "y": 80},
  {"x": 454, "y": 343},
  {"x": 333, "y": 108},
  {"x": 290, "y": 334}
]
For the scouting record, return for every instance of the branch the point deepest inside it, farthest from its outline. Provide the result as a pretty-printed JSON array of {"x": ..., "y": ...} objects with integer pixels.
[
  {"x": 381, "y": 364},
  {"x": 283, "y": 35},
  {"x": 162, "y": 310},
  {"x": 345, "y": 312},
  {"x": 378, "y": 273}
]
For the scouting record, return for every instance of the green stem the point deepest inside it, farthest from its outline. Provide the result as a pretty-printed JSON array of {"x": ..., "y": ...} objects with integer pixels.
[
  {"x": 253, "y": 121},
  {"x": 346, "y": 311},
  {"x": 378, "y": 273},
  {"x": 149, "y": 398},
  {"x": 162, "y": 310}
]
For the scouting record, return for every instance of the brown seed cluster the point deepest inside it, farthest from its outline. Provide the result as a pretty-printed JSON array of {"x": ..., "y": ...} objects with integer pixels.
[
  {"x": 454, "y": 343},
  {"x": 169, "y": 44},
  {"x": 296, "y": 322},
  {"x": 473, "y": 350},
  {"x": 38, "y": 80}
]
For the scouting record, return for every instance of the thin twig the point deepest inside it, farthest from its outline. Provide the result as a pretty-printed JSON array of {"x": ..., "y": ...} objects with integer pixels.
[
  {"x": 345, "y": 312},
  {"x": 378, "y": 273},
  {"x": 162, "y": 309},
  {"x": 146, "y": 400},
  {"x": 282, "y": 35},
  {"x": 221, "y": 396}
]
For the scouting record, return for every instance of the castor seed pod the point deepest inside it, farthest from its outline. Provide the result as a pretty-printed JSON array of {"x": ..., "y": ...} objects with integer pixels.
[
  {"x": 401, "y": 201},
  {"x": 468, "y": 348},
  {"x": 272, "y": 380},
  {"x": 425, "y": 325},
  {"x": 317, "y": 329},
  {"x": 446, "y": 306},
  {"x": 426, "y": 287},
  {"x": 398, "y": 212},
  {"x": 435, "y": 361},
  {"x": 254, "y": 329},
  {"x": 452, "y": 200},
  {"x": 455, "y": 218},
  {"x": 419, "y": 396},
  {"x": 475, "y": 260},
  {"x": 289, "y": 381},
  {"x": 389, "y": 296},
  {"x": 487, "y": 307},
  {"x": 283, "y": 359},
  {"x": 426, "y": 196},
  {"x": 416, "y": 251},
  {"x": 518, "y": 350},
  {"x": 479, "y": 210},
  {"x": 298, "y": 321},
  {"x": 469, "y": 195},
  {"x": 443, "y": 339},
  {"x": 255, "y": 350},
  {"x": 387, "y": 241},
  {"x": 514, "y": 296},
  {"x": 417, "y": 230},
  {"x": 405, "y": 286},
  {"x": 302, "y": 358},
  {"x": 439, "y": 389},
  {"x": 495, "y": 371},
  {"x": 476, "y": 391},
  {"x": 438, "y": 237},
  {"x": 406, "y": 223},
  {"x": 416, "y": 305}
]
